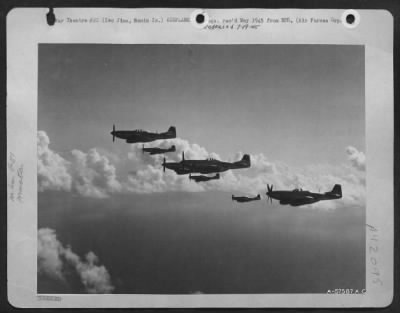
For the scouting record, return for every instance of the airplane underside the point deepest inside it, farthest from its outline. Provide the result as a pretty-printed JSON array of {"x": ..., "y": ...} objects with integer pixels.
[
  {"x": 297, "y": 202},
  {"x": 189, "y": 170},
  {"x": 245, "y": 200},
  {"x": 129, "y": 140}
]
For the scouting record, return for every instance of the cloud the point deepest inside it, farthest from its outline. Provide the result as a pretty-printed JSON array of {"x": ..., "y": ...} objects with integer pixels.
[
  {"x": 49, "y": 254},
  {"x": 95, "y": 174},
  {"x": 54, "y": 259},
  {"x": 356, "y": 158},
  {"x": 197, "y": 292},
  {"x": 52, "y": 168},
  {"x": 90, "y": 174}
]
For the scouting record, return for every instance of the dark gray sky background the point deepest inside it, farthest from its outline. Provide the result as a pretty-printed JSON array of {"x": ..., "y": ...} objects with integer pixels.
[
  {"x": 301, "y": 105},
  {"x": 204, "y": 242},
  {"x": 281, "y": 100}
]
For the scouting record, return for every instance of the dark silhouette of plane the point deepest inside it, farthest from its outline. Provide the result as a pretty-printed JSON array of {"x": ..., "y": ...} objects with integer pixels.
[
  {"x": 299, "y": 197},
  {"x": 158, "y": 150},
  {"x": 207, "y": 166},
  {"x": 201, "y": 178},
  {"x": 245, "y": 199},
  {"x": 138, "y": 135}
]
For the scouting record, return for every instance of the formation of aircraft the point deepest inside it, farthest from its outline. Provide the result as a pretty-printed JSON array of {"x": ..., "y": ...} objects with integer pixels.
[
  {"x": 207, "y": 166},
  {"x": 299, "y": 197},
  {"x": 156, "y": 150},
  {"x": 201, "y": 178},
  {"x": 296, "y": 197},
  {"x": 138, "y": 135},
  {"x": 245, "y": 199}
]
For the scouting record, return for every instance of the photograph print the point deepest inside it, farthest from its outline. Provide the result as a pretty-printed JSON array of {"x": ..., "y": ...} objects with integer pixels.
[{"x": 201, "y": 169}]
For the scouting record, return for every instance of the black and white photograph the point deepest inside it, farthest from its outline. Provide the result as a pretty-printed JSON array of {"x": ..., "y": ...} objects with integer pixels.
[
  {"x": 239, "y": 160},
  {"x": 190, "y": 169}
]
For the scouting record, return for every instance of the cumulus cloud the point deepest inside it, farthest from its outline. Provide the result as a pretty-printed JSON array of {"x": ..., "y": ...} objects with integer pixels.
[
  {"x": 90, "y": 174},
  {"x": 94, "y": 174},
  {"x": 357, "y": 158},
  {"x": 49, "y": 254},
  {"x": 52, "y": 168},
  {"x": 54, "y": 259}
]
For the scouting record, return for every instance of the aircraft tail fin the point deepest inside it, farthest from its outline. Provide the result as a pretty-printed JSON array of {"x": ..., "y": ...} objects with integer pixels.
[
  {"x": 337, "y": 190},
  {"x": 172, "y": 131},
  {"x": 245, "y": 161}
]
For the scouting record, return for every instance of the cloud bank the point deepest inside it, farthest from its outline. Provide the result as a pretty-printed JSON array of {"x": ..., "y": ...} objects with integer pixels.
[
  {"x": 52, "y": 168},
  {"x": 55, "y": 260},
  {"x": 93, "y": 174},
  {"x": 89, "y": 174},
  {"x": 356, "y": 158}
]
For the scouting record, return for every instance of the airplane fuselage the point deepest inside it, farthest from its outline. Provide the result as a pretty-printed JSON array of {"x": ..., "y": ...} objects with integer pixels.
[
  {"x": 206, "y": 166},
  {"x": 140, "y": 136},
  {"x": 300, "y": 197},
  {"x": 245, "y": 199},
  {"x": 200, "y": 166},
  {"x": 153, "y": 151}
]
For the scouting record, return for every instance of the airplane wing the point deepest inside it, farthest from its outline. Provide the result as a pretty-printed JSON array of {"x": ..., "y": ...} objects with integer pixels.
[
  {"x": 304, "y": 201},
  {"x": 210, "y": 168}
]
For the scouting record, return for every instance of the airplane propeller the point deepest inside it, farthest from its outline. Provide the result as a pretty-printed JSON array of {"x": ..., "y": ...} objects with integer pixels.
[
  {"x": 269, "y": 190},
  {"x": 113, "y": 132},
  {"x": 163, "y": 164}
]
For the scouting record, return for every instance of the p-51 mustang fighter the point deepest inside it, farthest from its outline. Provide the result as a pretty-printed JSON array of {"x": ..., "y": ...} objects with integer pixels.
[
  {"x": 207, "y": 166},
  {"x": 138, "y": 135},
  {"x": 200, "y": 178},
  {"x": 299, "y": 197},
  {"x": 245, "y": 199},
  {"x": 158, "y": 150}
]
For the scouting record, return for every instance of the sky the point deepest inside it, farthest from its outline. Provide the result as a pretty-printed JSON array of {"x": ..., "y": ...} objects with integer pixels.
[
  {"x": 110, "y": 220},
  {"x": 269, "y": 99}
]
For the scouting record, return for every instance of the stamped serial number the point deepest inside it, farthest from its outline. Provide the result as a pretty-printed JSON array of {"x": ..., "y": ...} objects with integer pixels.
[
  {"x": 341, "y": 291},
  {"x": 49, "y": 298}
]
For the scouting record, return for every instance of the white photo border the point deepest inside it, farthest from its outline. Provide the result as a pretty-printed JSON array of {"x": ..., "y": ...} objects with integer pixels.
[{"x": 27, "y": 27}]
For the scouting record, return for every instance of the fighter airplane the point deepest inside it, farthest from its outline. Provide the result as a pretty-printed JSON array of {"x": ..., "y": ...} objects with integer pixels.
[
  {"x": 207, "y": 166},
  {"x": 153, "y": 151},
  {"x": 201, "y": 178},
  {"x": 245, "y": 199},
  {"x": 299, "y": 197},
  {"x": 138, "y": 135}
]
